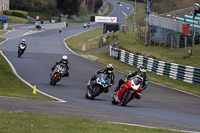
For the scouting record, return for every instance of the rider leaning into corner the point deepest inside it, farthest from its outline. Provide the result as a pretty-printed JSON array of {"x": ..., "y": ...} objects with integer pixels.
[
  {"x": 142, "y": 73},
  {"x": 23, "y": 43},
  {"x": 64, "y": 61},
  {"x": 109, "y": 72}
]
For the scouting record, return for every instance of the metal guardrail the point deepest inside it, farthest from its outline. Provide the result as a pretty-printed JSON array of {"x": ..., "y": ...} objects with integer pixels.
[
  {"x": 165, "y": 23},
  {"x": 177, "y": 13},
  {"x": 179, "y": 72}
]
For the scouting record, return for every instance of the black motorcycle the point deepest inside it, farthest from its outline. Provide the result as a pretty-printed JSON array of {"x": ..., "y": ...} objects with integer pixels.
[{"x": 21, "y": 49}]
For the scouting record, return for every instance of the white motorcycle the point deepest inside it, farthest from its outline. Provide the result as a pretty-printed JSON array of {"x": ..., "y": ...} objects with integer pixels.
[{"x": 57, "y": 74}]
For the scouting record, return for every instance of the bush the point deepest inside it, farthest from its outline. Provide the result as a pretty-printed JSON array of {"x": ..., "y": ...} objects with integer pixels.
[
  {"x": 8, "y": 12},
  {"x": 17, "y": 13}
]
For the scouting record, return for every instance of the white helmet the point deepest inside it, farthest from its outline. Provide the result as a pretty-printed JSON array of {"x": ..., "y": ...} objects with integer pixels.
[
  {"x": 23, "y": 40},
  {"x": 64, "y": 58}
]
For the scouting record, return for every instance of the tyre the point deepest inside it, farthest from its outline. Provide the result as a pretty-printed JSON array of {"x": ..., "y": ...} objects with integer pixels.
[
  {"x": 95, "y": 92},
  {"x": 126, "y": 98},
  {"x": 113, "y": 101},
  {"x": 53, "y": 82},
  {"x": 19, "y": 53},
  {"x": 86, "y": 96}
]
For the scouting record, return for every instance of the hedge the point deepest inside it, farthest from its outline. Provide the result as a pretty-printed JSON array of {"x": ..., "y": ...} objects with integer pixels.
[{"x": 17, "y": 13}]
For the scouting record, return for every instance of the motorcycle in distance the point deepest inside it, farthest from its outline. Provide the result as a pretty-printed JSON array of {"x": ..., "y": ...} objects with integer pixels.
[
  {"x": 21, "y": 49},
  {"x": 57, "y": 74},
  {"x": 97, "y": 86},
  {"x": 127, "y": 91}
]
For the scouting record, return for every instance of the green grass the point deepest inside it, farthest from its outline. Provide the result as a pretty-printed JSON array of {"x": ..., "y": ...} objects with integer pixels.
[
  {"x": 11, "y": 86},
  {"x": 14, "y": 19},
  {"x": 89, "y": 39},
  {"x": 140, "y": 12},
  {"x": 3, "y": 32},
  {"x": 21, "y": 122},
  {"x": 41, "y": 15},
  {"x": 2, "y": 39},
  {"x": 110, "y": 9},
  {"x": 9, "y": 28}
]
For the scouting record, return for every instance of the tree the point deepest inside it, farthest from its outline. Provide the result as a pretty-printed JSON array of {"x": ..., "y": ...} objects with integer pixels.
[{"x": 69, "y": 7}]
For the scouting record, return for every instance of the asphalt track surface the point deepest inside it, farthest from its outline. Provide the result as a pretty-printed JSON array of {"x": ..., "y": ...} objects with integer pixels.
[{"x": 159, "y": 106}]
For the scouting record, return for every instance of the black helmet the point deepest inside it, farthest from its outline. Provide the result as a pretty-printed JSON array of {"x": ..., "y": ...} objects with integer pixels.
[
  {"x": 110, "y": 68},
  {"x": 64, "y": 59},
  {"x": 142, "y": 70}
]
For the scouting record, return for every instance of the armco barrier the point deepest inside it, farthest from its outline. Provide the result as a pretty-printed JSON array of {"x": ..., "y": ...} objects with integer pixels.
[{"x": 179, "y": 72}]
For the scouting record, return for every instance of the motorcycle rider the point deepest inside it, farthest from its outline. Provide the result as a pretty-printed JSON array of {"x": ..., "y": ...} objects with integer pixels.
[
  {"x": 64, "y": 61},
  {"x": 23, "y": 43},
  {"x": 142, "y": 73},
  {"x": 109, "y": 72}
]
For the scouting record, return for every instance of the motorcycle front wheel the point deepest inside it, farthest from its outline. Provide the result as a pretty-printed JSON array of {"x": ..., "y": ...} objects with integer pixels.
[
  {"x": 95, "y": 92},
  {"x": 126, "y": 97},
  {"x": 20, "y": 52}
]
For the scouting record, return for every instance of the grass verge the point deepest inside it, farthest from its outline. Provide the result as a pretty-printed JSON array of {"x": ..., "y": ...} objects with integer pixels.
[
  {"x": 14, "y": 19},
  {"x": 3, "y": 32},
  {"x": 11, "y": 86},
  {"x": 88, "y": 40},
  {"x": 21, "y": 122},
  {"x": 110, "y": 9}
]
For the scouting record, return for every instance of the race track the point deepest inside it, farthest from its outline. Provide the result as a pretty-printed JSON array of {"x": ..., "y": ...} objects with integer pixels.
[{"x": 159, "y": 107}]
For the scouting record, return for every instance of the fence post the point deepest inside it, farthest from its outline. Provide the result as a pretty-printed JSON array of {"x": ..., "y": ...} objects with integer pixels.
[
  {"x": 178, "y": 39},
  {"x": 140, "y": 31},
  {"x": 165, "y": 40},
  {"x": 154, "y": 39},
  {"x": 159, "y": 39},
  {"x": 185, "y": 41},
  {"x": 193, "y": 39},
  {"x": 150, "y": 39},
  {"x": 171, "y": 41}
]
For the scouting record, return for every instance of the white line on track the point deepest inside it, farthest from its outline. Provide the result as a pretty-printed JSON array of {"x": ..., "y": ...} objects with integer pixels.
[
  {"x": 14, "y": 71},
  {"x": 152, "y": 127}
]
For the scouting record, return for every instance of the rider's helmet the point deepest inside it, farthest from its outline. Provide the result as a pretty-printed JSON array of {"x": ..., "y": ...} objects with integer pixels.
[
  {"x": 109, "y": 68},
  {"x": 142, "y": 71},
  {"x": 64, "y": 59},
  {"x": 23, "y": 41}
]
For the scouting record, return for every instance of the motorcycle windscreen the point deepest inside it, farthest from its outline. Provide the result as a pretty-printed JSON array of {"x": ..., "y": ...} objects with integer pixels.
[
  {"x": 137, "y": 80},
  {"x": 104, "y": 77}
]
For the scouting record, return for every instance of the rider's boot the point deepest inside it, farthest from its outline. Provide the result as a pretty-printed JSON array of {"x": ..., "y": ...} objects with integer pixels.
[
  {"x": 88, "y": 84},
  {"x": 116, "y": 97},
  {"x": 138, "y": 95},
  {"x": 116, "y": 89}
]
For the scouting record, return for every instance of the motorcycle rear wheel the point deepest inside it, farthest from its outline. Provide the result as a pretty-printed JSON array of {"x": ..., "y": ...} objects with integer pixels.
[{"x": 113, "y": 101}]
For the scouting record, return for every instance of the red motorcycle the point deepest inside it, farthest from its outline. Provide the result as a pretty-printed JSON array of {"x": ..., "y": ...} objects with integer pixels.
[{"x": 128, "y": 91}]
